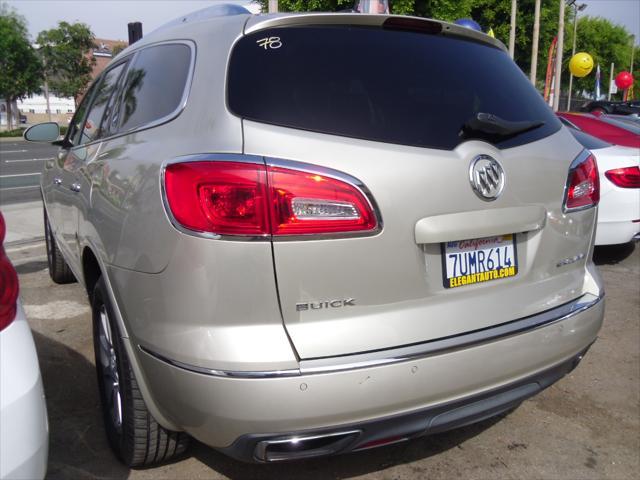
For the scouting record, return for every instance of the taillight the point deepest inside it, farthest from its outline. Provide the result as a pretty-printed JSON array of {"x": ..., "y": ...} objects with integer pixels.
[
  {"x": 307, "y": 203},
  {"x": 628, "y": 177},
  {"x": 8, "y": 284},
  {"x": 583, "y": 184},
  {"x": 231, "y": 198},
  {"x": 226, "y": 198}
]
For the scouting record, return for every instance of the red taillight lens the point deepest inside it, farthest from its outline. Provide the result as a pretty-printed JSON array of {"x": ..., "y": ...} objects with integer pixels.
[
  {"x": 583, "y": 185},
  {"x": 221, "y": 197},
  {"x": 628, "y": 177},
  {"x": 230, "y": 198},
  {"x": 306, "y": 203},
  {"x": 8, "y": 284}
]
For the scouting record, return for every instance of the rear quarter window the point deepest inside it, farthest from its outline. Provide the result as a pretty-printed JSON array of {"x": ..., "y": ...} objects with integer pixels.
[
  {"x": 382, "y": 85},
  {"x": 155, "y": 85}
]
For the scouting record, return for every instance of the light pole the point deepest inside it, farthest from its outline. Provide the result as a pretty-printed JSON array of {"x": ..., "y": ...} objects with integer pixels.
[
  {"x": 512, "y": 31},
  {"x": 558, "y": 76},
  {"x": 534, "y": 47},
  {"x": 577, "y": 8}
]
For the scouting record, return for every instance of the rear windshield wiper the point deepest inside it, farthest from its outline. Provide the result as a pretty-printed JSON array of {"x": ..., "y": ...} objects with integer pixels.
[{"x": 492, "y": 127}]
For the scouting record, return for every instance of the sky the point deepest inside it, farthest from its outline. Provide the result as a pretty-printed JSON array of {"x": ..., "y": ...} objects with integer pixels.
[{"x": 108, "y": 18}]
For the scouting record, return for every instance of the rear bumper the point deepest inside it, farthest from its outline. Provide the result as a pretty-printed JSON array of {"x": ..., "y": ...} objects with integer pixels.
[
  {"x": 397, "y": 428},
  {"x": 444, "y": 389},
  {"x": 614, "y": 233},
  {"x": 24, "y": 436}
]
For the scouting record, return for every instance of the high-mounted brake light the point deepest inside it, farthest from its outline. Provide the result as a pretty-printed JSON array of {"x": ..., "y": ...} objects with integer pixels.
[
  {"x": 628, "y": 177},
  {"x": 583, "y": 185},
  {"x": 8, "y": 284},
  {"x": 232, "y": 198}
]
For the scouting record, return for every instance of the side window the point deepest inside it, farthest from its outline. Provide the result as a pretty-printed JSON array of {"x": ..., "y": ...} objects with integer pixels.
[
  {"x": 75, "y": 126},
  {"x": 92, "y": 125},
  {"x": 154, "y": 85}
]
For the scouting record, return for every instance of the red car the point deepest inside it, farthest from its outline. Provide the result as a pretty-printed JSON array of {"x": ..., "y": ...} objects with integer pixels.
[{"x": 598, "y": 128}]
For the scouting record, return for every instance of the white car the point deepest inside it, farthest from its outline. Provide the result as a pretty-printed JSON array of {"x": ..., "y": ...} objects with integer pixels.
[
  {"x": 24, "y": 429},
  {"x": 619, "y": 210}
]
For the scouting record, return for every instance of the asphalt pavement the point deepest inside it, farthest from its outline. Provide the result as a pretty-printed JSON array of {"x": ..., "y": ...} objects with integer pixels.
[{"x": 20, "y": 167}]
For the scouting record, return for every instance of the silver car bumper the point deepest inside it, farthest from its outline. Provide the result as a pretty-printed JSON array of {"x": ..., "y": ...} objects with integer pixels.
[{"x": 478, "y": 375}]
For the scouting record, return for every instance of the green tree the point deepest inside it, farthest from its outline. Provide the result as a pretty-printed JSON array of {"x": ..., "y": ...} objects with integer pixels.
[
  {"x": 309, "y": 5},
  {"x": 66, "y": 53},
  {"x": 20, "y": 67}
]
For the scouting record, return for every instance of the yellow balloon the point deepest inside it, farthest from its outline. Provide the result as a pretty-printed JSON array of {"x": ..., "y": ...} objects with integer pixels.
[{"x": 581, "y": 64}]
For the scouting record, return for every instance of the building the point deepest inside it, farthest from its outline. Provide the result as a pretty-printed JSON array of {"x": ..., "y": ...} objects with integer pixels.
[
  {"x": 103, "y": 53},
  {"x": 34, "y": 109}
]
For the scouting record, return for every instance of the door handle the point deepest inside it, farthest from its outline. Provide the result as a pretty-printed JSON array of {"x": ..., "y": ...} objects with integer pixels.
[
  {"x": 57, "y": 181},
  {"x": 74, "y": 187}
]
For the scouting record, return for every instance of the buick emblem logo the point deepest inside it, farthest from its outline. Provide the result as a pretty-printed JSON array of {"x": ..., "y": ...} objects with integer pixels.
[{"x": 487, "y": 177}]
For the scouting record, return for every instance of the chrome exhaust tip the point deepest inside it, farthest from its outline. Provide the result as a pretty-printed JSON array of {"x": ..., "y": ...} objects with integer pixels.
[{"x": 299, "y": 447}]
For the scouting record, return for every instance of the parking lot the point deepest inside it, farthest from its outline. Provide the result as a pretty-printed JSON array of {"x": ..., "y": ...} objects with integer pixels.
[
  {"x": 585, "y": 426},
  {"x": 20, "y": 166}
]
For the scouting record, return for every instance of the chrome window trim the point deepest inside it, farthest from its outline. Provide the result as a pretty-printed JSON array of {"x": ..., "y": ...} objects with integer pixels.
[
  {"x": 577, "y": 161},
  {"x": 276, "y": 162},
  {"x": 406, "y": 353}
]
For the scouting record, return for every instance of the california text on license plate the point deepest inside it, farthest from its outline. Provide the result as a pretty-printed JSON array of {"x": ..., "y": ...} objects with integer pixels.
[{"x": 466, "y": 262}]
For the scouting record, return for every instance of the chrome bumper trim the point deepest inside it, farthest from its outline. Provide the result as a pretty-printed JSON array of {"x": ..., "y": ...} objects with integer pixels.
[
  {"x": 405, "y": 353},
  {"x": 223, "y": 373}
]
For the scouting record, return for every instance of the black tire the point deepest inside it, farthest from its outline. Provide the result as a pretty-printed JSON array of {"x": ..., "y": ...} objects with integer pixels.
[
  {"x": 134, "y": 435},
  {"x": 599, "y": 111},
  {"x": 59, "y": 271}
]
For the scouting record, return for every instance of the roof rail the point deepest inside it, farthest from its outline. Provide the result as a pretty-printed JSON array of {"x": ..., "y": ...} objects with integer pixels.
[{"x": 219, "y": 10}]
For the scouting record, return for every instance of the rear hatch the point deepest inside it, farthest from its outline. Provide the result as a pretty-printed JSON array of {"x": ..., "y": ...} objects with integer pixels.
[{"x": 387, "y": 105}]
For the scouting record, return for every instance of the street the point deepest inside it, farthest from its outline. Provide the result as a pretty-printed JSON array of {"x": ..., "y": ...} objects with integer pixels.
[
  {"x": 585, "y": 426},
  {"x": 20, "y": 166}
]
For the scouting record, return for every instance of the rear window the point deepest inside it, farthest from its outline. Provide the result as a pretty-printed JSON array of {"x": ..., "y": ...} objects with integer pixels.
[
  {"x": 588, "y": 141},
  {"x": 389, "y": 86}
]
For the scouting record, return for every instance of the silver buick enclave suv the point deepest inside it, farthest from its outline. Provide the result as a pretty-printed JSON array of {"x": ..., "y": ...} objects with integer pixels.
[{"x": 310, "y": 234}]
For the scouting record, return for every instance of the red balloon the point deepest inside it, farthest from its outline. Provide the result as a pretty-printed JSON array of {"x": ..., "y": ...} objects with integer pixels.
[{"x": 624, "y": 80}]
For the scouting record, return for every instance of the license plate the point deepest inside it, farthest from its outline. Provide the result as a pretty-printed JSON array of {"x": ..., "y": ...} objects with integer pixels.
[{"x": 479, "y": 260}]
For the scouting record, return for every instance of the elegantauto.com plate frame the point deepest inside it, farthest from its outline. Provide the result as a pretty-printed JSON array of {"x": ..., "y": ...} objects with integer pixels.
[{"x": 478, "y": 260}]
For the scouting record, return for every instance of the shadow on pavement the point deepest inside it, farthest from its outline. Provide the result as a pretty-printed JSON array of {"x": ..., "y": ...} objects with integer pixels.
[
  {"x": 31, "y": 267},
  {"x": 348, "y": 465},
  {"x": 612, "y": 254},
  {"x": 78, "y": 446}
]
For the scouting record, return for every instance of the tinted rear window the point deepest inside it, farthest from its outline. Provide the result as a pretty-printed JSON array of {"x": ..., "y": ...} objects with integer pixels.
[
  {"x": 382, "y": 85},
  {"x": 588, "y": 141}
]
